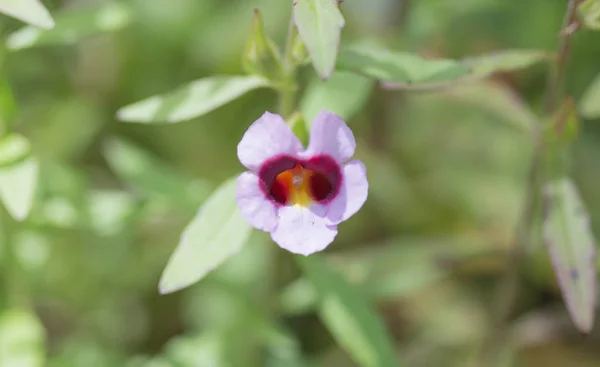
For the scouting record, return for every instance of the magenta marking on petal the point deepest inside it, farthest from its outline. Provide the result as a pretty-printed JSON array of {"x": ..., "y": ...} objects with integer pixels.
[{"x": 324, "y": 188}]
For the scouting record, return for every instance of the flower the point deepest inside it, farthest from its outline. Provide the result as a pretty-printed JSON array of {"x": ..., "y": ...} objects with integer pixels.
[{"x": 300, "y": 196}]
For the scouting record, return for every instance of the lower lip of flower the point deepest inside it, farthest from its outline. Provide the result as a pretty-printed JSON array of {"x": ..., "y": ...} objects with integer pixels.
[{"x": 287, "y": 181}]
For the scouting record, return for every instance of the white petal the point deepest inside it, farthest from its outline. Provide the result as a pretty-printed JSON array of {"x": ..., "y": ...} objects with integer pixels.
[
  {"x": 303, "y": 230},
  {"x": 259, "y": 211},
  {"x": 330, "y": 135},
  {"x": 352, "y": 195}
]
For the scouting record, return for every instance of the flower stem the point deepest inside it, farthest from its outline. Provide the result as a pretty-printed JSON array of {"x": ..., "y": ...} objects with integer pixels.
[{"x": 509, "y": 285}]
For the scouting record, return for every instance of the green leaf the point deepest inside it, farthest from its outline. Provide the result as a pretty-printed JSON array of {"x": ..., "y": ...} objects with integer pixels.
[
  {"x": 216, "y": 233},
  {"x": 320, "y": 24},
  {"x": 21, "y": 339},
  {"x": 572, "y": 249},
  {"x": 589, "y": 106},
  {"x": 152, "y": 177},
  {"x": 298, "y": 125},
  {"x": 18, "y": 175},
  {"x": 504, "y": 61},
  {"x": 349, "y": 316},
  {"x": 261, "y": 56},
  {"x": 73, "y": 25},
  {"x": 589, "y": 12},
  {"x": 477, "y": 67},
  {"x": 192, "y": 100},
  {"x": 344, "y": 93},
  {"x": 399, "y": 67},
  {"x": 28, "y": 11}
]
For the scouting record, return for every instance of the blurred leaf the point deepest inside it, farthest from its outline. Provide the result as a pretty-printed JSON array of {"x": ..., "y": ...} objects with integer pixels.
[
  {"x": 478, "y": 67},
  {"x": 207, "y": 349},
  {"x": 589, "y": 12},
  {"x": 192, "y": 100},
  {"x": 18, "y": 175},
  {"x": 564, "y": 125},
  {"x": 216, "y": 233},
  {"x": 109, "y": 210},
  {"x": 8, "y": 106},
  {"x": 399, "y": 67},
  {"x": 74, "y": 25},
  {"x": 320, "y": 24},
  {"x": 344, "y": 93},
  {"x": 589, "y": 106},
  {"x": 349, "y": 316},
  {"x": 572, "y": 249},
  {"x": 261, "y": 56},
  {"x": 496, "y": 98},
  {"x": 21, "y": 339},
  {"x": 504, "y": 61},
  {"x": 152, "y": 177},
  {"x": 28, "y": 11}
]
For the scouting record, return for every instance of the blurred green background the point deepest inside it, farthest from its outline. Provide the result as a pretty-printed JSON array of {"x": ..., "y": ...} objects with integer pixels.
[{"x": 447, "y": 173}]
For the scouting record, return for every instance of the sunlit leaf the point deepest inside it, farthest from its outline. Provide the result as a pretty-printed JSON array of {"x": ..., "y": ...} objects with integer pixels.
[
  {"x": 572, "y": 249},
  {"x": 21, "y": 339},
  {"x": 216, "y": 233},
  {"x": 28, "y": 11},
  {"x": 349, "y": 317},
  {"x": 18, "y": 175},
  {"x": 73, "y": 25},
  {"x": 344, "y": 93},
  {"x": 192, "y": 100},
  {"x": 152, "y": 177},
  {"x": 589, "y": 106},
  {"x": 320, "y": 24},
  {"x": 399, "y": 67},
  {"x": 589, "y": 11}
]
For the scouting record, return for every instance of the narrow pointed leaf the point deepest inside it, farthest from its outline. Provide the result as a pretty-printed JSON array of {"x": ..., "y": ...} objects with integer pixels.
[
  {"x": 192, "y": 100},
  {"x": 261, "y": 56},
  {"x": 344, "y": 93},
  {"x": 151, "y": 177},
  {"x": 572, "y": 249},
  {"x": 28, "y": 11},
  {"x": 21, "y": 339},
  {"x": 320, "y": 24},
  {"x": 399, "y": 67},
  {"x": 18, "y": 175},
  {"x": 349, "y": 317},
  {"x": 74, "y": 25},
  {"x": 472, "y": 68},
  {"x": 216, "y": 233},
  {"x": 590, "y": 101}
]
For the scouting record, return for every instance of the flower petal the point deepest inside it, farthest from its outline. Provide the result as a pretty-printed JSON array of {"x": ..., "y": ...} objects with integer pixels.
[
  {"x": 302, "y": 230},
  {"x": 259, "y": 211},
  {"x": 266, "y": 138},
  {"x": 330, "y": 135},
  {"x": 353, "y": 193}
]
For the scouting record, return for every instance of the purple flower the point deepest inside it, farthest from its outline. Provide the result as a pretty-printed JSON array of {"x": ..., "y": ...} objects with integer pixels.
[{"x": 300, "y": 196}]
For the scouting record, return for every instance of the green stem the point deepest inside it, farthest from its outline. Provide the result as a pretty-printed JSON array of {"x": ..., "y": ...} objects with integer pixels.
[
  {"x": 287, "y": 92},
  {"x": 509, "y": 285}
]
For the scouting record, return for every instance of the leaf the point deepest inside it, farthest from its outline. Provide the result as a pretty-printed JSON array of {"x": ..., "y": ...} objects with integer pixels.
[
  {"x": 344, "y": 93},
  {"x": 399, "y": 67},
  {"x": 298, "y": 126},
  {"x": 28, "y": 11},
  {"x": 18, "y": 175},
  {"x": 479, "y": 67},
  {"x": 192, "y": 100},
  {"x": 349, "y": 317},
  {"x": 73, "y": 25},
  {"x": 152, "y": 177},
  {"x": 261, "y": 56},
  {"x": 216, "y": 233},
  {"x": 589, "y": 106},
  {"x": 572, "y": 249},
  {"x": 21, "y": 339},
  {"x": 320, "y": 24},
  {"x": 589, "y": 12},
  {"x": 498, "y": 99}
]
